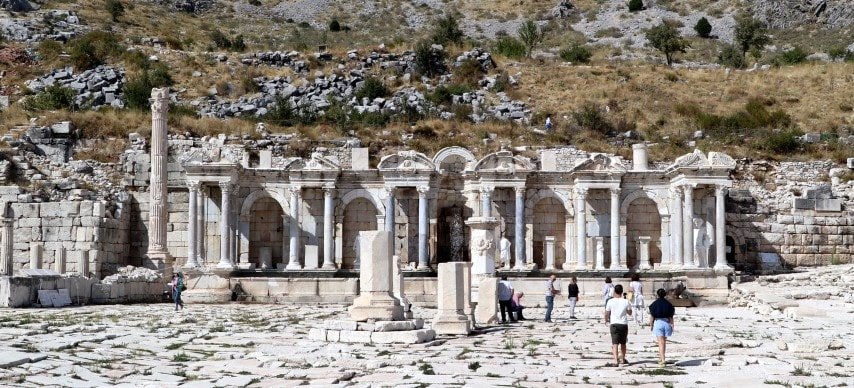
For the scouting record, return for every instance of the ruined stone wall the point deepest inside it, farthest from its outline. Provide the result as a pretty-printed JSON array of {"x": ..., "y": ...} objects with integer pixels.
[{"x": 792, "y": 211}]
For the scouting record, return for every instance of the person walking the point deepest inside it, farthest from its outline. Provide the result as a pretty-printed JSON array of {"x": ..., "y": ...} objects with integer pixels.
[
  {"x": 616, "y": 315},
  {"x": 551, "y": 291},
  {"x": 572, "y": 294},
  {"x": 505, "y": 296},
  {"x": 517, "y": 305},
  {"x": 177, "y": 288},
  {"x": 549, "y": 123},
  {"x": 661, "y": 322},
  {"x": 608, "y": 290},
  {"x": 637, "y": 299}
]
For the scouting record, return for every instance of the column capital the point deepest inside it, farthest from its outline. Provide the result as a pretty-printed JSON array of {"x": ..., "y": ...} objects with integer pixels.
[
  {"x": 226, "y": 187},
  {"x": 389, "y": 190},
  {"x": 581, "y": 191},
  {"x": 689, "y": 189},
  {"x": 295, "y": 190},
  {"x": 487, "y": 189},
  {"x": 520, "y": 191},
  {"x": 423, "y": 190},
  {"x": 721, "y": 190},
  {"x": 159, "y": 101},
  {"x": 194, "y": 185},
  {"x": 676, "y": 191},
  {"x": 615, "y": 190},
  {"x": 8, "y": 221},
  {"x": 329, "y": 190}
]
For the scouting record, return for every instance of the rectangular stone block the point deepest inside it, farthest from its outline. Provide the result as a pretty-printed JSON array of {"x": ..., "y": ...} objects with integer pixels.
[
  {"x": 828, "y": 205},
  {"x": 265, "y": 159},
  {"x": 403, "y": 337},
  {"x": 352, "y": 336},
  {"x": 359, "y": 159},
  {"x": 311, "y": 257},
  {"x": 317, "y": 334},
  {"x": 341, "y": 325},
  {"x": 393, "y": 325}
]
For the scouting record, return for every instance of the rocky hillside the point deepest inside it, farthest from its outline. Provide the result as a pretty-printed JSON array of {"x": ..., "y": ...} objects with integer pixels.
[{"x": 426, "y": 73}]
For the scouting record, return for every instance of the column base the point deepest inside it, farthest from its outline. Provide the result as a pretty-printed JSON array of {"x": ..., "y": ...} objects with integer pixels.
[
  {"x": 246, "y": 266},
  {"x": 293, "y": 266},
  {"x": 225, "y": 265},
  {"x": 618, "y": 268},
  {"x": 330, "y": 266},
  {"x": 452, "y": 325}
]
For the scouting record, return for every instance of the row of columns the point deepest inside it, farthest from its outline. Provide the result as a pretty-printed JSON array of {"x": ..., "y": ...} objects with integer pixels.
[
  {"x": 581, "y": 229},
  {"x": 683, "y": 235},
  {"x": 519, "y": 226}
]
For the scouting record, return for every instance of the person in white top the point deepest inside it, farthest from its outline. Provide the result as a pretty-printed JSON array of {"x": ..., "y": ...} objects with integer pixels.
[
  {"x": 608, "y": 290},
  {"x": 505, "y": 295},
  {"x": 616, "y": 315},
  {"x": 551, "y": 291},
  {"x": 637, "y": 299}
]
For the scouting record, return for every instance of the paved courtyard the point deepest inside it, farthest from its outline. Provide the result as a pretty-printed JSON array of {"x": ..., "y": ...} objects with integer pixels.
[{"x": 268, "y": 345}]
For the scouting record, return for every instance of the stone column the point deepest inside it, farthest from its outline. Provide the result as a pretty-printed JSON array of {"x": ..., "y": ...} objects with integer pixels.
[
  {"x": 581, "y": 226},
  {"x": 389, "y": 215},
  {"x": 550, "y": 253},
  {"x": 158, "y": 255},
  {"x": 720, "y": 228},
  {"x": 328, "y": 232},
  {"x": 192, "y": 224},
  {"x": 486, "y": 201},
  {"x": 225, "y": 260},
  {"x": 676, "y": 227},
  {"x": 296, "y": 202},
  {"x": 285, "y": 242},
  {"x": 35, "y": 255},
  {"x": 423, "y": 249},
  {"x": 615, "y": 230},
  {"x": 688, "y": 228},
  {"x": 83, "y": 264},
  {"x": 201, "y": 248},
  {"x": 520, "y": 228},
  {"x": 6, "y": 252},
  {"x": 59, "y": 261}
]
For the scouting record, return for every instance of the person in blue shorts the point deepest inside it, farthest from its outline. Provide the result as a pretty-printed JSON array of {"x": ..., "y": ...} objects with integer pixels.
[{"x": 661, "y": 322}]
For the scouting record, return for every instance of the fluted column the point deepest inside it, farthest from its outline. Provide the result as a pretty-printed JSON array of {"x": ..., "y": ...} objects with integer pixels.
[
  {"x": 201, "y": 248},
  {"x": 486, "y": 201},
  {"x": 6, "y": 249},
  {"x": 296, "y": 202},
  {"x": 581, "y": 226},
  {"x": 720, "y": 228},
  {"x": 328, "y": 232},
  {"x": 157, "y": 215},
  {"x": 615, "y": 230},
  {"x": 389, "y": 215},
  {"x": 225, "y": 260},
  {"x": 676, "y": 227},
  {"x": 192, "y": 224},
  {"x": 423, "y": 250},
  {"x": 688, "y": 228},
  {"x": 520, "y": 228}
]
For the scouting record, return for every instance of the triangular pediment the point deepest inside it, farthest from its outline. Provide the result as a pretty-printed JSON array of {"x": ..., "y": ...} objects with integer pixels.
[{"x": 317, "y": 162}]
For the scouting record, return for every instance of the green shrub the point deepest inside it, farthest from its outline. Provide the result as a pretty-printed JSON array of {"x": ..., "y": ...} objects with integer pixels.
[
  {"x": 783, "y": 142},
  {"x": 791, "y": 57},
  {"x": 429, "y": 61},
  {"x": 468, "y": 73},
  {"x": 750, "y": 33},
  {"x": 703, "y": 27},
  {"x": 447, "y": 31},
  {"x": 93, "y": 49},
  {"x": 138, "y": 89},
  {"x": 285, "y": 114},
  {"x": 238, "y": 44},
  {"x": 732, "y": 56},
  {"x": 220, "y": 40},
  {"x": 115, "y": 9},
  {"x": 635, "y": 5},
  {"x": 372, "y": 88},
  {"x": 510, "y": 47},
  {"x": 256, "y": 3},
  {"x": 531, "y": 35},
  {"x": 837, "y": 53},
  {"x": 576, "y": 54},
  {"x": 589, "y": 116},
  {"x": 443, "y": 94},
  {"x": 502, "y": 82},
  {"x": 52, "y": 98},
  {"x": 334, "y": 26},
  {"x": 666, "y": 38},
  {"x": 49, "y": 50}
]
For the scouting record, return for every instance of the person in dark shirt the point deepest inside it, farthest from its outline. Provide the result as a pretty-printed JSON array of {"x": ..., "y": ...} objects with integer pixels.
[
  {"x": 573, "y": 297},
  {"x": 661, "y": 322}
]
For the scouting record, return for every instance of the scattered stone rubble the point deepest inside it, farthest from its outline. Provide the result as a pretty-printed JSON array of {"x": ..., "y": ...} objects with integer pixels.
[
  {"x": 37, "y": 26},
  {"x": 94, "y": 88}
]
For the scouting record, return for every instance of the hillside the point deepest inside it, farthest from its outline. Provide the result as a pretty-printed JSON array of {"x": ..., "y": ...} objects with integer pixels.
[{"x": 234, "y": 64}]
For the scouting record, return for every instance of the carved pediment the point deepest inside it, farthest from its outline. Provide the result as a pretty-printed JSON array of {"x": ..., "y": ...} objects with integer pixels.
[
  {"x": 196, "y": 156},
  {"x": 697, "y": 160},
  {"x": 721, "y": 160},
  {"x": 600, "y": 163},
  {"x": 317, "y": 162},
  {"x": 406, "y": 161},
  {"x": 504, "y": 162}
]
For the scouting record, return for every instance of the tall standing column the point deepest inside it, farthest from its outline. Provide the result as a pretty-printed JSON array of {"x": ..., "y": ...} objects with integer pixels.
[
  {"x": 158, "y": 255},
  {"x": 688, "y": 228},
  {"x": 581, "y": 226},
  {"x": 720, "y": 228},
  {"x": 192, "y": 224},
  {"x": 486, "y": 201},
  {"x": 6, "y": 249},
  {"x": 224, "y": 226},
  {"x": 676, "y": 227},
  {"x": 328, "y": 232},
  {"x": 520, "y": 228},
  {"x": 389, "y": 216},
  {"x": 201, "y": 248},
  {"x": 615, "y": 229},
  {"x": 296, "y": 202},
  {"x": 423, "y": 249}
]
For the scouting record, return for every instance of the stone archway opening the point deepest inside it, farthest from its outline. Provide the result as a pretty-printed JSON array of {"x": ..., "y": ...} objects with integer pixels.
[
  {"x": 266, "y": 233},
  {"x": 549, "y": 220},
  {"x": 359, "y": 215},
  {"x": 643, "y": 220}
]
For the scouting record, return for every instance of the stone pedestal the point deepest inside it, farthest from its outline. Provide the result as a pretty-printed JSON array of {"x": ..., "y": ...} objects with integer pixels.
[
  {"x": 450, "y": 317},
  {"x": 312, "y": 261},
  {"x": 550, "y": 252},
  {"x": 599, "y": 245},
  {"x": 643, "y": 252},
  {"x": 375, "y": 299},
  {"x": 486, "y": 311},
  {"x": 265, "y": 257},
  {"x": 397, "y": 286},
  {"x": 482, "y": 245},
  {"x": 35, "y": 255}
]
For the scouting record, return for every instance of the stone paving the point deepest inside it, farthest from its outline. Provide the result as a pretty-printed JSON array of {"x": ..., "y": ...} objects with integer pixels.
[{"x": 268, "y": 346}]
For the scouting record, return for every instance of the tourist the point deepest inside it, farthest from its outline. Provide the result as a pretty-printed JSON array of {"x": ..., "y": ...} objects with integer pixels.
[
  {"x": 661, "y": 322},
  {"x": 548, "y": 123},
  {"x": 177, "y": 288},
  {"x": 551, "y": 291},
  {"x": 505, "y": 295},
  {"x": 637, "y": 298},
  {"x": 616, "y": 315},
  {"x": 572, "y": 294},
  {"x": 608, "y": 290},
  {"x": 517, "y": 305}
]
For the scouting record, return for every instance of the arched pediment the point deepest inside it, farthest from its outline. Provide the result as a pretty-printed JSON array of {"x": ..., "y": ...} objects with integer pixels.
[
  {"x": 449, "y": 152},
  {"x": 600, "y": 163},
  {"x": 504, "y": 162},
  {"x": 406, "y": 161}
]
